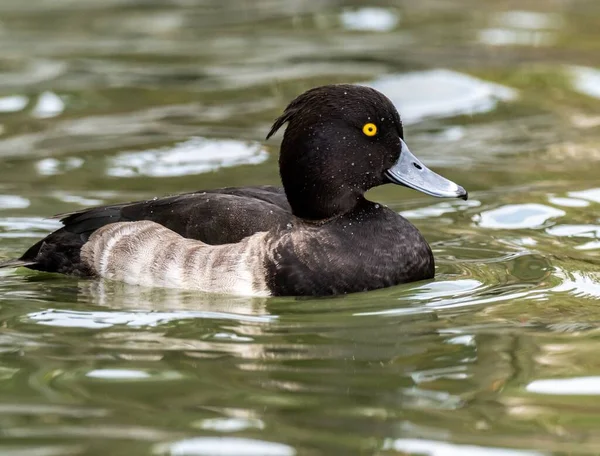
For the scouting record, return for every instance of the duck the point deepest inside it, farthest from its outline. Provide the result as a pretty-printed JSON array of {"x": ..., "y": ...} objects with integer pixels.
[{"x": 316, "y": 235}]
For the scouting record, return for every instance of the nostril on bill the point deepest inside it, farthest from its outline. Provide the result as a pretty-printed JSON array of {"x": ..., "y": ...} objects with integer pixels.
[{"x": 416, "y": 165}]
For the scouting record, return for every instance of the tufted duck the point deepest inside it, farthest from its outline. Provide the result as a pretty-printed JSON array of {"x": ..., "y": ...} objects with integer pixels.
[{"x": 317, "y": 235}]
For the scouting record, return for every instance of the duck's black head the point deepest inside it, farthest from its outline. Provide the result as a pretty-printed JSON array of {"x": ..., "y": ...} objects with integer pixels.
[{"x": 342, "y": 140}]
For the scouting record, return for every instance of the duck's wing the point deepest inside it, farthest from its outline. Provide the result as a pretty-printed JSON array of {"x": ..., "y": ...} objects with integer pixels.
[
  {"x": 219, "y": 216},
  {"x": 215, "y": 217}
]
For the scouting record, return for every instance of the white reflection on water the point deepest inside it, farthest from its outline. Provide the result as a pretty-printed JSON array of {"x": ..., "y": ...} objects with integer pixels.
[
  {"x": 48, "y": 105},
  {"x": 439, "y": 294},
  {"x": 586, "y": 80},
  {"x": 577, "y": 386},
  {"x": 529, "y": 20},
  {"x": 194, "y": 156},
  {"x": 54, "y": 166},
  {"x": 507, "y": 37},
  {"x": 225, "y": 446},
  {"x": 76, "y": 199},
  {"x": 13, "y": 202},
  {"x": 592, "y": 194},
  {"x": 118, "y": 374},
  {"x": 575, "y": 230},
  {"x": 435, "y": 448},
  {"x": 369, "y": 19},
  {"x": 578, "y": 283},
  {"x": 592, "y": 245},
  {"x": 97, "y": 320},
  {"x": 467, "y": 340},
  {"x": 438, "y": 209},
  {"x": 567, "y": 202},
  {"x": 13, "y": 103},
  {"x": 526, "y": 28},
  {"x": 440, "y": 93},
  {"x": 517, "y": 216},
  {"x": 19, "y": 227},
  {"x": 230, "y": 424}
]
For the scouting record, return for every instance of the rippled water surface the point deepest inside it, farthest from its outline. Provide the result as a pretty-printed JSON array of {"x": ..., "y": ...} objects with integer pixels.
[{"x": 106, "y": 101}]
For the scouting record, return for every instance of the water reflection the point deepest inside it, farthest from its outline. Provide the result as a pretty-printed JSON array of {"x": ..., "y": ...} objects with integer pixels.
[
  {"x": 226, "y": 446},
  {"x": 96, "y": 97},
  {"x": 507, "y": 37},
  {"x": 592, "y": 194},
  {"x": 519, "y": 216},
  {"x": 54, "y": 166},
  {"x": 32, "y": 227},
  {"x": 586, "y": 80},
  {"x": 48, "y": 105},
  {"x": 524, "y": 28},
  {"x": 585, "y": 386},
  {"x": 369, "y": 19},
  {"x": 117, "y": 295},
  {"x": 567, "y": 202},
  {"x": 13, "y": 202},
  {"x": 531, "y": 20},
  {"x": 579, "y": 283},
  {"x": 22, "y": 74},
  {"x": 436, "y": 448},
  {"x": 195, "y": 156},
  {"x": 233, "y": 424},
  {"x": 440, "y": 93},
  {"x": 439, "y": 209},
  {"x": 13, "y": 103}
]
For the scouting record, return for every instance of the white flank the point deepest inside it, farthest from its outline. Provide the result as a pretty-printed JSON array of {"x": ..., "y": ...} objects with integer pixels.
[{"x": 146, "y": 253}]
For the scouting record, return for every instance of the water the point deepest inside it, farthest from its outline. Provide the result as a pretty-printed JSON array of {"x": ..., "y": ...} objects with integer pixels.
[{"x": 118, "y": 100}]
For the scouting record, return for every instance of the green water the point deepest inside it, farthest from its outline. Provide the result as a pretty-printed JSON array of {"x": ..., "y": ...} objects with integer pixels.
[{"x": 106, "y": 101}]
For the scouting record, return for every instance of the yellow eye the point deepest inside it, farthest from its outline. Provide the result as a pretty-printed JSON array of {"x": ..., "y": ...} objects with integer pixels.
[{"x": 370, "y": 129}]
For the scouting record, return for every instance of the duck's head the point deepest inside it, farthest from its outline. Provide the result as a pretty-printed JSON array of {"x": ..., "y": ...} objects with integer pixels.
[{"x": 342, "y": 140}]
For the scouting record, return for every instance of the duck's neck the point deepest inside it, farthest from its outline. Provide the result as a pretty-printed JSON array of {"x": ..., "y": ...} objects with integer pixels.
[
  {"x": 313, "y": 197},
  {"x": 320, "y": 202},
  {"x": 316, "y": 188}
]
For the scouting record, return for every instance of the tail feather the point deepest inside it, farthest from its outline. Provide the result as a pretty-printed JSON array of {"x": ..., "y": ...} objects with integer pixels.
[{"x": 16, "y": 263}]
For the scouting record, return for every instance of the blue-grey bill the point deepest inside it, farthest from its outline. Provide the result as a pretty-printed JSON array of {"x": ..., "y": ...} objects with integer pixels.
[{"x": 410, "y": 172}]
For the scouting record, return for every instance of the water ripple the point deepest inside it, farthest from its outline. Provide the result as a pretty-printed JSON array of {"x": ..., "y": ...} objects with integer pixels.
[
  {"x": 440, "y": 93},
  {"x": 98, "y": 320},
  {"x": 580, "y": 386},
  {"x": 518, "y": 216},
  {"x": 225, "y": 446},
  {"x": 194, "y": 156},
  {"x": 437, "y": 448}
]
